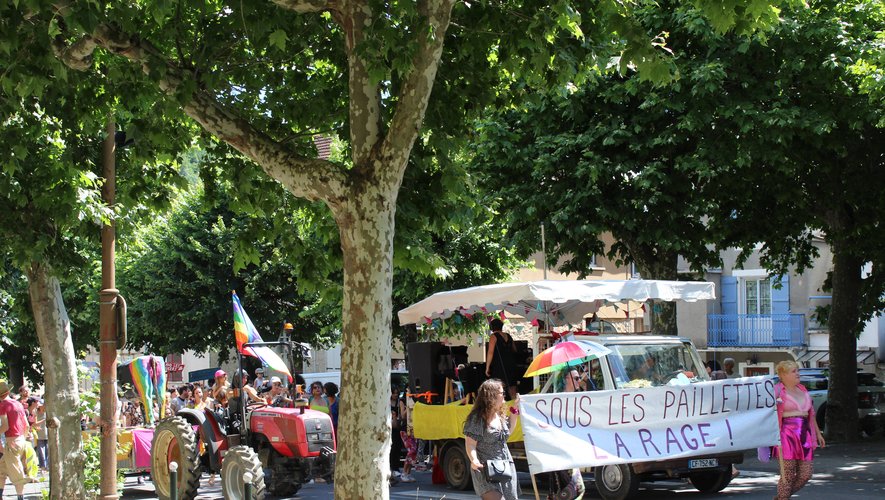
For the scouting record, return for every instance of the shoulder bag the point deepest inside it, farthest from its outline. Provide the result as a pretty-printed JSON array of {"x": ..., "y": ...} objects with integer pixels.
[{"x": 498, "y": 471}]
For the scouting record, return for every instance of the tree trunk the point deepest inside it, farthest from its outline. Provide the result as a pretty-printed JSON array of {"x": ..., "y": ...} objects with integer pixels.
[
  {"x": 61, "y": 392},
  {"x": 366, "y": 226},
  {"x": 659, "y": 265},
  {"x": 15, "y": 367},
  {"x": 842, "y": 424}
]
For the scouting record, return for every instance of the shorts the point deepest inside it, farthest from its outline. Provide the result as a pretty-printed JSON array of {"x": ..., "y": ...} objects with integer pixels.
[{"x": 11, "y": 464}]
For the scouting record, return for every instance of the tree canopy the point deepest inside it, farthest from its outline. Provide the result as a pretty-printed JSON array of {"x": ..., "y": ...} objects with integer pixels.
[
  {"x": 265, "y": 78},
  {"x": 770, "y": 141}
]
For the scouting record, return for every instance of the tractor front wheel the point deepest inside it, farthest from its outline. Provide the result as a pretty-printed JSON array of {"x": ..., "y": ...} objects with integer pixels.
[
  {"x": 238, "y": 461},
  {"x": 175, "y": 441}
]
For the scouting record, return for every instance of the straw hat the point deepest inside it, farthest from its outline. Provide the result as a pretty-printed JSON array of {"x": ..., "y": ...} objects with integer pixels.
[{"x": 4, "y": 387}]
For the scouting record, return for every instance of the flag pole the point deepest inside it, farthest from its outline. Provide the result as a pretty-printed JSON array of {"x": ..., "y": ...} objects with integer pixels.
[{"x": 241, "y": 393}]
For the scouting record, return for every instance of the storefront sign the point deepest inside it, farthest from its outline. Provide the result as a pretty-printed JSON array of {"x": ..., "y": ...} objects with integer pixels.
[
  {"x": 173, "y": 367},
  {"x": 584, "y": 429}
]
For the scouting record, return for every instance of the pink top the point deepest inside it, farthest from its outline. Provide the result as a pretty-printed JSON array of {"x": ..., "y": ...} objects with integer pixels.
[
  {"x": 791, "y": 405},
  {"x": 15, "y": 414}
]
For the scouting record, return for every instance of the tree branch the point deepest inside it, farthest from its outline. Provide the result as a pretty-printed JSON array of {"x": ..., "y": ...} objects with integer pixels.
[
  {"x": 365, "y": 96},
  {"x": 415, "y": 92},
  {"x": 306, "y": 6},
  {"x": 310, "y": 178}
]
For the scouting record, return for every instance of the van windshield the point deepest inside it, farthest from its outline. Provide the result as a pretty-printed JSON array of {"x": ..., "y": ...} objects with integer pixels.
[{"x": 650, "y": 365}]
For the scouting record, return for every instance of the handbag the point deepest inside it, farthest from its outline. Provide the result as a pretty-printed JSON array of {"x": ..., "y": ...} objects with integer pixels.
[
  {"x": 764, "y": 453},
  {"x": 498, "y": 471}
]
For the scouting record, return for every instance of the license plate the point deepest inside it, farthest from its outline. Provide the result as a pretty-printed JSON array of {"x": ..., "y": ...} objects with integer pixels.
[{"x": 703, "y": 463}]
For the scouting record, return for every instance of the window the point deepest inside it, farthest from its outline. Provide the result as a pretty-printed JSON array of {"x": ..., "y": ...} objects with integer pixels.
[{"x": 757, "y": 296}]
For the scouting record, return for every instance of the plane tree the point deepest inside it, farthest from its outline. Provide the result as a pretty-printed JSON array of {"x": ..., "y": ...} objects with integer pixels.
[
  {"x": 806, "y": 145},
  {"x": 264, "y": 78},
  {"x": 53, "y": 123},
  {"x": 768, "y": 142}
]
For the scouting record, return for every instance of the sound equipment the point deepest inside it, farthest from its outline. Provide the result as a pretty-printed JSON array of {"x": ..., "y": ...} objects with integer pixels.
[
  {"x": 472, "y": 376},
  {"x": 423, "y": 363},
  {"x": 450, "y": 357}
]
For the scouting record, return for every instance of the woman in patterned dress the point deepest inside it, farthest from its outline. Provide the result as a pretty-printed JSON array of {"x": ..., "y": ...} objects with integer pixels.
[{"x": 485, "y": 435}]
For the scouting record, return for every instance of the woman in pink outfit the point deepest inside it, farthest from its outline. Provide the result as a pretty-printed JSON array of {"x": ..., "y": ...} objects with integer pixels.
[{"x": 799, "y": 432}]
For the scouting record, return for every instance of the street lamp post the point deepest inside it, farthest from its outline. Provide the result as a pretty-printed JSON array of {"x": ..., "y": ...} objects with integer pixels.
[{"x": 108, "y": 298}]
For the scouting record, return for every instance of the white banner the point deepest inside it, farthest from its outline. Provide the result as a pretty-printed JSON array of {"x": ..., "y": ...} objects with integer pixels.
[{"x": 585, "y": 429}]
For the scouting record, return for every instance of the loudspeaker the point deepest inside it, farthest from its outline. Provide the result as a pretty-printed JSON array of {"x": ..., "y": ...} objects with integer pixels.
[
  {"x": 450, "y": 357},
  {"x": 472, "y": 376},
  {"x": 423, "y": 363}
]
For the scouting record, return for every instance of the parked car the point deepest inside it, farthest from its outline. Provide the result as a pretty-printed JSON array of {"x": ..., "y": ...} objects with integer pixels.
[{"x": 870, "y": 398}]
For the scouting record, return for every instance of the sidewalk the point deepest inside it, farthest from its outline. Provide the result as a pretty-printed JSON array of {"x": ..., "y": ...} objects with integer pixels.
[{"x": 864, "y": 461}]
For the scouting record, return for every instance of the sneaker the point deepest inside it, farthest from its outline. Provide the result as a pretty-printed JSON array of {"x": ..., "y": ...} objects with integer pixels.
[{"x": 407, "y": 478}]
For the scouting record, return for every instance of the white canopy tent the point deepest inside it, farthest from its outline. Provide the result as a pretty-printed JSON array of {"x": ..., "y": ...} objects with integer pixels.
[{"x": 557, "y": 302}]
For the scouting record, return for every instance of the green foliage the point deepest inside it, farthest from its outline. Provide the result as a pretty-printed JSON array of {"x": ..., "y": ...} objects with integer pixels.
[
  {"x": 90, "y": 408},
  {"x": 180, "y": 277}
]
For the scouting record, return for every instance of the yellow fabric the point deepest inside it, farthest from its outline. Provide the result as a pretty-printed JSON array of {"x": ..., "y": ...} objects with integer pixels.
[
  {"x": 124, "y": 444},
  {"x": 447, "y": 421},
  {"x": 324, "y": 409},
  {"x": 29, "y": 459}
]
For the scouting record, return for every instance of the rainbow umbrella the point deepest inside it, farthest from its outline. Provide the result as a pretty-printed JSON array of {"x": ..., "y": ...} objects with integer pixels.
[{"x": 567, "y": 353}]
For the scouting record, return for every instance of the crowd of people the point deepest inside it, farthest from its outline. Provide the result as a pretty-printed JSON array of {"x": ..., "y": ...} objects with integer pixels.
[{"x": 271, "y": 391}]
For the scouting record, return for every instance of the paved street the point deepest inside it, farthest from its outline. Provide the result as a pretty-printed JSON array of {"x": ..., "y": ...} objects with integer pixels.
[{"x": 849, "y": 472}]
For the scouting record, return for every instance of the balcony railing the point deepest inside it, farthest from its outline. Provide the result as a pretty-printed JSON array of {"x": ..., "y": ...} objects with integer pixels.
[{"x": 755, "y": 330}]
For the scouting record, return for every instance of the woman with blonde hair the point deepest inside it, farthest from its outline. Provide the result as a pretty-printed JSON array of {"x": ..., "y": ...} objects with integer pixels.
[
  {"x": 799, "y": 432},
  {"x": 485, "y": 436}
]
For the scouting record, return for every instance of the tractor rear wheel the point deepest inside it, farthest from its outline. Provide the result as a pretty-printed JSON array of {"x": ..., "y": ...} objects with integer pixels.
[
  {"x": 175, "y": 441},
  {"x": 238, "y": 461}
]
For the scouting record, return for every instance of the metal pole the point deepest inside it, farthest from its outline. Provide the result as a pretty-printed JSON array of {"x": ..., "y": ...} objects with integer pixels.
[
  {"x": 247, "y": 485},
  {"x": 544, "y": 249},
  {"x": 241, "y": 395},
  {"x": 173, "y": 480},
  {"x": 108, "y": 328}
]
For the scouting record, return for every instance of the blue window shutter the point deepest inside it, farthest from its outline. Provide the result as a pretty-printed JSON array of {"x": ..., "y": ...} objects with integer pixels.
[
  {"x": 729, "y": 294},
  {"x": 780, "y": 298}
]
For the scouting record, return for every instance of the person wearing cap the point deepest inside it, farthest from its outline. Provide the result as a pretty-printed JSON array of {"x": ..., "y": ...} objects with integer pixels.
[
  {"x": 259, "y": 378},
  {"x": 14, "y": 424},
  {"x": 278, "y": 394},
  {"x": 220, "y": 388}
]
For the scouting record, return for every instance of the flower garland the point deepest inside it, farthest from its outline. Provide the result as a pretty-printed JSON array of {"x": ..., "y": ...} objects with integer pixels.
[{"x": 459, "y": 325}]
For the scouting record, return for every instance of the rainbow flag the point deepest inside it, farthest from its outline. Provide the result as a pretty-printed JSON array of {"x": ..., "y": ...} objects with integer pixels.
[
  {"x": 148, "y": 375},
  {"x": 245, "y": 331}
]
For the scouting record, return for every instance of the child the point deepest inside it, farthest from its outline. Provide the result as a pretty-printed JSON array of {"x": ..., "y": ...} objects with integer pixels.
[{"x": 406, "y": 433}]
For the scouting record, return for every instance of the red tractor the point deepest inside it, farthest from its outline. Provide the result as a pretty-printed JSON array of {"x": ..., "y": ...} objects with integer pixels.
[{"x": 282, "y": 448}]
